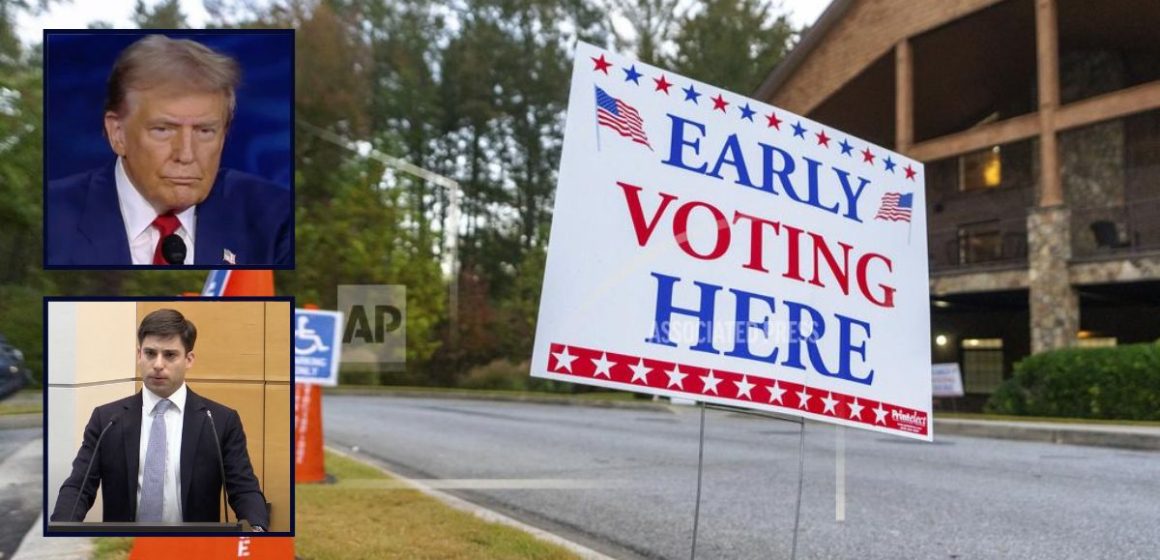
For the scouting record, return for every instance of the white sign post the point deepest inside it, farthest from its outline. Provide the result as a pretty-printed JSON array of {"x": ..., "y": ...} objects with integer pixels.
[
  {"x": 713, "y": 247},
  {"x": 317, "y": 346}
]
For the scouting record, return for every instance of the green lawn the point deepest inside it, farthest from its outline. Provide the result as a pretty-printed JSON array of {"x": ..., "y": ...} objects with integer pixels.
[
  {"x": 112, "y": 548},
  {"x": 364, "y": 515},
  {"x": 479, "y": 393},
  {"x": 1048, "y": 419},
  {"x": 368, "y": 515},
  {"x": 28, "y": 401}
]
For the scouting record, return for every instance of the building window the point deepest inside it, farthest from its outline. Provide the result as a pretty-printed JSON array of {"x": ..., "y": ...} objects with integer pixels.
[
  {"x": 980, "y": 170},
  {"x": 982, "y": 364},
  {"x": 980, "y": 242}
]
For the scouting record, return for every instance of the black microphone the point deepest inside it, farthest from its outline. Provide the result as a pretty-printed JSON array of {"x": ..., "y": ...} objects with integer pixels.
[
  {"x": 173, "y": 249},
  {"x": 92, "y": 459},
  {"x": 221, "y": 463}
]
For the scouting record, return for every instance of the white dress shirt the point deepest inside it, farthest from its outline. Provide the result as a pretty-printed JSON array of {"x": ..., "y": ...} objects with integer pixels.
[
  {"x": 138, "y": 216},
  {"x": 174, "y": 418}
]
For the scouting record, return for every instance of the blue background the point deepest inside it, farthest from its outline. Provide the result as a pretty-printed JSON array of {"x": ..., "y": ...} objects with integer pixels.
[{"x": 76, "y": 72}]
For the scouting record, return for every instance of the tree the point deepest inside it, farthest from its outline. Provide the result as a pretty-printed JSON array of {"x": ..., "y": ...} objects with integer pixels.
[
  {"x": 732, "y": 44},
  {"x": 653, "y": 24},
  {"x": 163, "y": 15}
]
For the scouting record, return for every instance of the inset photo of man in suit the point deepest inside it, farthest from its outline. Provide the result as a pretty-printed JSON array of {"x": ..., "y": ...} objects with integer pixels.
[
  {"x": 165, "y": 453},
  {"x": 146, "y": 177}
]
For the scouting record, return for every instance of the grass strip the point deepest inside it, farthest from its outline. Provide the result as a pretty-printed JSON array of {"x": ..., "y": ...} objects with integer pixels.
[
  {"x": 112, "y": 548},
  {"x": 354, "y": 519}
]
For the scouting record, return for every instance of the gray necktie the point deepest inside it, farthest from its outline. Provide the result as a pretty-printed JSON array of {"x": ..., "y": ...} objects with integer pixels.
[{"x": 153, "y": 481}]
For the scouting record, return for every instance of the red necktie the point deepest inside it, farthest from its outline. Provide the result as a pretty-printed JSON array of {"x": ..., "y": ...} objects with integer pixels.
[{"x": 166, "y": 224}]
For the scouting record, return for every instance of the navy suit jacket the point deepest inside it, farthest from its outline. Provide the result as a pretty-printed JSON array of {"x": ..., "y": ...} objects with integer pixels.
[
  {"x": 118, "y": 460},
  {"x": 245, "y": 214}
]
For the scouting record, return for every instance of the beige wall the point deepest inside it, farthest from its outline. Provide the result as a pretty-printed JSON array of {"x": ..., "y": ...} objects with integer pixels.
[{"x": 241, "y": 360}]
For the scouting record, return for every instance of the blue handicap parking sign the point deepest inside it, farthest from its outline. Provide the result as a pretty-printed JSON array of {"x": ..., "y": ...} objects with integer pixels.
[{"x": 317, "y": 346}]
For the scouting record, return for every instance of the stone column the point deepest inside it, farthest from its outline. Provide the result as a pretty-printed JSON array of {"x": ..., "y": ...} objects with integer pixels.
[{"x": 1054, "y": 303}]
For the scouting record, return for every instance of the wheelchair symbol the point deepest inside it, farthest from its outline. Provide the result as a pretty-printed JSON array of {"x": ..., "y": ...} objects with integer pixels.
[{"x": 305, "y": 333}]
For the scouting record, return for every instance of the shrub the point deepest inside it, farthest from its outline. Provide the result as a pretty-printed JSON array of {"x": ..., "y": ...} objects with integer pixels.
[
  {"x": 502, "y": 374},
  {"x": 21, "y": 321},
  {"x": 498, "y": 374},
  {"x": 1121, "y": 383}
]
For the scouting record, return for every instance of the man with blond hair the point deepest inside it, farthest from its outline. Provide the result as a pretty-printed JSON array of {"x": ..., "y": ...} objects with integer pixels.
[{"x": 165, "y": 200}]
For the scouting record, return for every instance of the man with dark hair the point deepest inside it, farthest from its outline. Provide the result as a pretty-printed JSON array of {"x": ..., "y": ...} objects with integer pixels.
[
  {"x": 158, "y": 460},
  {"x": 164, "y": 200}
]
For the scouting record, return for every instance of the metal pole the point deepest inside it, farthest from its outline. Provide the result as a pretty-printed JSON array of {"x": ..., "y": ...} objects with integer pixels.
[
  {"x": 797, "y": 512},
  {"x": 700, "y": 469},
  {"x": 840, "y": 475}
]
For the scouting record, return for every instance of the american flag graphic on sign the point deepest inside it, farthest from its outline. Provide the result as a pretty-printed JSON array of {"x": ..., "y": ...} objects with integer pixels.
[
  {"x": 620, "y": 116},
  {"x": 895, "y": 207}
]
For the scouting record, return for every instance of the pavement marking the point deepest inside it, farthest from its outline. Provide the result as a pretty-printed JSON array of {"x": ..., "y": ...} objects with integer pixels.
[{"x": 484, "y": 513}]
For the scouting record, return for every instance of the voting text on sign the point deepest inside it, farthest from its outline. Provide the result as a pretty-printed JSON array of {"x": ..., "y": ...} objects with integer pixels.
[{"x": 709, "y": 246}]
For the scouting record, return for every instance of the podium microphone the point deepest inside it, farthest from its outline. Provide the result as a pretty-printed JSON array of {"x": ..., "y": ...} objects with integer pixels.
[
  {"x": 173, "y": 249},
  {"x": 92, "y": 459},
  {"x": 218, "y": 446}
]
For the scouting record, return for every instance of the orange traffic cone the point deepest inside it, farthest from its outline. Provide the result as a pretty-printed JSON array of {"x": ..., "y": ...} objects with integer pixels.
[{"x": 308, "y": 455}]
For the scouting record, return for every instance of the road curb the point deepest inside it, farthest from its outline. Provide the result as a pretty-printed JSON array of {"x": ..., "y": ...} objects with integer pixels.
[
  {"x": 480, "y": 511},
  {"x": 34, "y": 545},
  {"x": 10, "y": 421},
  {"x": 1141, "y": 439},
  {"x": 1121, "y": 437}
]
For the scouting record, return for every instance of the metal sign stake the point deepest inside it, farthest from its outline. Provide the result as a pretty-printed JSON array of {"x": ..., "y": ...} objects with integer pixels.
[{"x": 700, "y": 471}]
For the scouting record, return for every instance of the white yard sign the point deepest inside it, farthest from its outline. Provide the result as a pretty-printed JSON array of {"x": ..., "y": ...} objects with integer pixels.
[
  {"x": 946, "y": 380},
  {"x": 709, "y": 246}
]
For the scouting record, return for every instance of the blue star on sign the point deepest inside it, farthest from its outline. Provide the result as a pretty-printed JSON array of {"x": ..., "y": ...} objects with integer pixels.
[
  {"x": 631, "y": 75},
  {"x": 889, "y": 164},
  {"x": 846, "y": 147},
  {"x": 691, "y": 94},
  {"x": 747, "y": 113},
  {"x": 799, "y": 130}
]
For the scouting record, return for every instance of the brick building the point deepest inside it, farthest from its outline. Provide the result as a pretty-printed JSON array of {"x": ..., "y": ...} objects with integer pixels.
[{"x": 1039, "y": 124}]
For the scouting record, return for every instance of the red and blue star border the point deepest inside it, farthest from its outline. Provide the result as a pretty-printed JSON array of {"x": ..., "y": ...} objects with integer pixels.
[
  {"x": 662, "y": 86},
  {"x": 739, "y": 389}
]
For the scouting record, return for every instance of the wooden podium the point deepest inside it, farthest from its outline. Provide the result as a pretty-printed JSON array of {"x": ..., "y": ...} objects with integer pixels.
[{"x": 64, "y": 528}]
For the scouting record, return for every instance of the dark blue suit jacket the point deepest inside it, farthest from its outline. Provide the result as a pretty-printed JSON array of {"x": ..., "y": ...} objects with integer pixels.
[
  {"x": 118, "y": 461},
  {"x": 245, "y": 214}
]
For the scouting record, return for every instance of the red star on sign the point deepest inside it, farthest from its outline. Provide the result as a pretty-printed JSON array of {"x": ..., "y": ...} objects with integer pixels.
[
  {"x": 662, "y": 84},
  {"x": 773, "y": 121},
  {"x": 867, "y": 155},
  {"x": 719, "y": 103},
  {"x": 910, "y": 172},
  {"x": 823, "y": 140},
  {"x": 601, "y": 64}
]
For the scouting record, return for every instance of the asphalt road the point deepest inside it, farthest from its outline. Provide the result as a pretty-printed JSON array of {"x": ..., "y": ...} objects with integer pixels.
[
  {"x": 624, "y": 482},
  {"x": 21, "y": 478}
]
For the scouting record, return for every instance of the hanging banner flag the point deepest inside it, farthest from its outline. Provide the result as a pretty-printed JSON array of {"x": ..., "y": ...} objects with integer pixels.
[{"x": 713, "y": 247}]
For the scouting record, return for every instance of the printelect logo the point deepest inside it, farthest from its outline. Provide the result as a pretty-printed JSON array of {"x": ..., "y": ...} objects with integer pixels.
[{"x": 911, "y": 418}]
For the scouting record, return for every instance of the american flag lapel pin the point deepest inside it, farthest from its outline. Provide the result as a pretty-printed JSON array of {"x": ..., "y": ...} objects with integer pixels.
[{"x": 229, "y": 257}]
